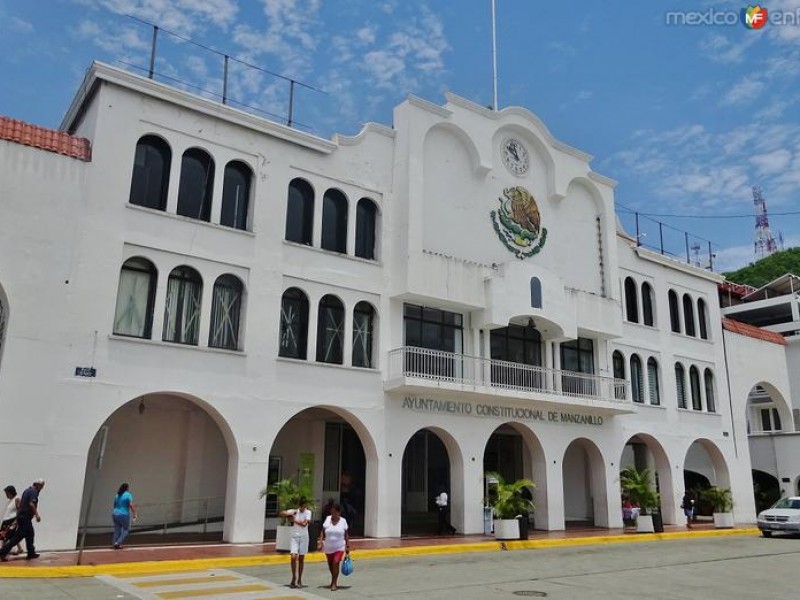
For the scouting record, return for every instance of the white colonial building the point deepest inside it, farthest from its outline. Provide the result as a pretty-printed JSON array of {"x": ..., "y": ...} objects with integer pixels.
[{"x": 219, "y": 300}]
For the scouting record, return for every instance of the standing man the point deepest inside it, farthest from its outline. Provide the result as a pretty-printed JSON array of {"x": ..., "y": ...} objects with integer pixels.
[
  {"x": 687, "y": 504},
  {"x": 442, "y": 504},
  {"x": 28, "y": 511}
]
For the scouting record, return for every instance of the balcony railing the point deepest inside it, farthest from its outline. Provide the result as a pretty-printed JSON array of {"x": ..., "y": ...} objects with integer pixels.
[{"x": 438, "y": 366}]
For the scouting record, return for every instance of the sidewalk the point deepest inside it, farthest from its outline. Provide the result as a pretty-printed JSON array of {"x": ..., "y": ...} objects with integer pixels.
[{"x": 155, "y": 559}]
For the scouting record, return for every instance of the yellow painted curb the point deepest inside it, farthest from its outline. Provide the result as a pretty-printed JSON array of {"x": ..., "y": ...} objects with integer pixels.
[{"x": 200, "y": 564}]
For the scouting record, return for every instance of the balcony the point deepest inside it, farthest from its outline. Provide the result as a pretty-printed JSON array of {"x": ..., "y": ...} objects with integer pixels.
[{"x": 420, "y": 371}]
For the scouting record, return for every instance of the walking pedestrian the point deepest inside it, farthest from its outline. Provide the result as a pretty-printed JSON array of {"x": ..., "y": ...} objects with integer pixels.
[
  {"x": 687, "y": 504},
  {"x": 442, "y": 502},
  {"x": 9, "y": 523},
  {"x": 121, "y": 515},
  {"x": 334, "y": 541},
  {"x": 301, "y": 517},
  {"x": 28, "y": 511}
]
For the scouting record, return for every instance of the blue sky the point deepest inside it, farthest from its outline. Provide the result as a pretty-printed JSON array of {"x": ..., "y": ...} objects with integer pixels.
[{"x": 686, "y": 118}]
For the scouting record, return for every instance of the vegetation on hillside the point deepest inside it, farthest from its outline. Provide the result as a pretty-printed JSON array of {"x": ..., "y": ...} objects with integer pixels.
[{"x": 769, "y": 268}]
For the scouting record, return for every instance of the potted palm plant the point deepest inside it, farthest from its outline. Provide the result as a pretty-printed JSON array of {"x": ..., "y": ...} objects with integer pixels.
[
  {"x": 638, "y": 485},
  {"x": 288, "y": 494},
  {"x": 508, "y": 503},
  {"x": 722, "y": 502}
]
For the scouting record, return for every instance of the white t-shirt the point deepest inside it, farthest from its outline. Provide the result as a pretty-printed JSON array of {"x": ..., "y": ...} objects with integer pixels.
[
  {"x": 441, "y": 499},
  {"x": 11, "y": 510},
  {"x": 300, "y": 515},
  {"x": 334, "y": 536}
]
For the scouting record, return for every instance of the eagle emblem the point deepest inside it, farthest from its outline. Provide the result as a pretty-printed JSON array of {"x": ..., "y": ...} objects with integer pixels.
[{"x": 518, "y": 223}]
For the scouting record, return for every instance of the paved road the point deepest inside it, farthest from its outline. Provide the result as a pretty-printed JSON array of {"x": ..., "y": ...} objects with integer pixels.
[{"x": 731, "y": 568}]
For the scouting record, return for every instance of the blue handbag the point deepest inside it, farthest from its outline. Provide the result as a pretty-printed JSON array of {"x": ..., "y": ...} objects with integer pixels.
[{"x": 347, "y": 565}]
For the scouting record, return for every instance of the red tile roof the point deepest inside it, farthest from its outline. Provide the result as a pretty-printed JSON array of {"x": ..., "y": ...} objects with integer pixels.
[
  {"x": 753, "y": 331},
  {"x": 49, "y": 140}
]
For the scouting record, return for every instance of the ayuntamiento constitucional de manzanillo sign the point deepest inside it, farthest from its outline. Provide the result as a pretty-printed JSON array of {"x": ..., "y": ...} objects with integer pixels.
[{"x": 517, "y": 413}]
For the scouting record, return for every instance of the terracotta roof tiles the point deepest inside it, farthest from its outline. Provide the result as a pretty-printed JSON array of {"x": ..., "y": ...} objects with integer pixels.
[
  {"x": 49, "y": 140},
  {"x": 753, "y": 331}
]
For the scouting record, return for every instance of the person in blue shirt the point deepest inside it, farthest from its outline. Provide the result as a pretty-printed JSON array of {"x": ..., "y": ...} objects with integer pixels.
[
  {"x": 121, "y": 515},
  {"x": 27, "y": 512}
]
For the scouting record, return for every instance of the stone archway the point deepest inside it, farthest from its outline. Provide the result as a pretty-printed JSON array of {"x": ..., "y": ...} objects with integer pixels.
[
  {"x": 643, "y": 451},
  {"x": 331, "y": 450},
  {"x": 176, "y": 453},
  {"x": 767, "y": 410},
  {"x": 584, "y": 477},
  {"x": 704, "y": 465}
]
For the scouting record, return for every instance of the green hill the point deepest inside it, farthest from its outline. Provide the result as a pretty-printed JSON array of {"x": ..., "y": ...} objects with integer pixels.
[{"x": 769, "y": 268}]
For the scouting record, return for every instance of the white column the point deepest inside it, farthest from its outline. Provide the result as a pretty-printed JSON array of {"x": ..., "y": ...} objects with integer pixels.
[
  {"x": 351, "y": 226},
  {"x": 216, "y": 197},
  {"x": 466, "y": 496},
  {"x": 608, "y": 509},
  {"x": 383, "y": 517},
  {"x": 313, "y": 318},
  {"x": 347, "y": 358},
  {"x": 174, "y": 180},
  {"x": 552, "y": 518},
  {"x": 244, "y": 509},
  {"x": 205, "y": 312},
  {"x": 317, "y": 233}
]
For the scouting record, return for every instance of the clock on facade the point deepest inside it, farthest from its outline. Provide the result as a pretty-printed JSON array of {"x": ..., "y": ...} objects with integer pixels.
[{"x": 515, "y": 157}]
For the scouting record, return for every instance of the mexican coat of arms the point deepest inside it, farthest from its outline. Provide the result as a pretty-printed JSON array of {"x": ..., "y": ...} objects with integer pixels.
[{"x": 517, "y": 222}]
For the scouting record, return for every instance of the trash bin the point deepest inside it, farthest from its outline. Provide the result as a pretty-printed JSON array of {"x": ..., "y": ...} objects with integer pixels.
[
  {"x": 658, "y": 523},
  {"x": 523, "y": 526}
]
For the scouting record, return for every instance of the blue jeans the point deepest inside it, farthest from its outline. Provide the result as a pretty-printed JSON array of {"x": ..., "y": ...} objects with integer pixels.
[{"x": 122, "y": 526}]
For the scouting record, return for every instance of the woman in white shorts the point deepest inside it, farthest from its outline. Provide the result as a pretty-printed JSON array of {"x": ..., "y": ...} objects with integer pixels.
[{"x": 301, "y": 517}]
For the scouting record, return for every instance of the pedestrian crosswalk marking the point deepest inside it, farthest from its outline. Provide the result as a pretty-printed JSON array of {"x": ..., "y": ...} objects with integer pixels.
[
  {"x": 202, "y": 585},
  {"x": 185, "y": 581},
  {"x": 213, "y": 591}
]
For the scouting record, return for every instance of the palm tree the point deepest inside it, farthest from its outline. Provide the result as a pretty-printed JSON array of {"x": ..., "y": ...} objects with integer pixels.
[
  {"x": 638, "y": 485},
  {"x": 507, "y": 499}
]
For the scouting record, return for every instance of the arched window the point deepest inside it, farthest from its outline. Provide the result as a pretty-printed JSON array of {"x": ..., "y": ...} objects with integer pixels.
[
  {"x": 701, "y": 318},
  {"x": 674, "y": 312},
  {"x": 637, "y": 379},
  {"x": 136, "y": 296},
  {"x": 300, "y": 212},
  {"x": 182, "y": 313},
  {"x": 647, "y": 304},
  {"x": 150, "y": 181},
  {"x": 711, "y": 404},
  {"x": 197, "y": 185},
  {"x": 688, "y": 315},
  {"x": 366, "y": 226},
  {"x": 363, "y": 330},
  {"x": 334, "y": 221},
  {"x": 631, "y": 305},
  {"x": 330, "y": 330},
  {"x": 680, "y": 384},
  {"x": 536, "y": 293},
  {"x": 294, "y": 324},
  {"x": 236, "y": 194},
  {"x": 618, "y": 364},
  {"x": 694, "y": 384},
  {"x": 652, "y": 381},
  {"x": 226, "y": 308}
]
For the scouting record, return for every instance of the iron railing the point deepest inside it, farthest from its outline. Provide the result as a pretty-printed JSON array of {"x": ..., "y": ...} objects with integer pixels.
[{"x": 475, "y": 371}]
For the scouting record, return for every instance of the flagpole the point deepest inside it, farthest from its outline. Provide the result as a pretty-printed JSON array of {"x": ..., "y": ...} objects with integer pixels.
[{"x": 494, "y": 55}]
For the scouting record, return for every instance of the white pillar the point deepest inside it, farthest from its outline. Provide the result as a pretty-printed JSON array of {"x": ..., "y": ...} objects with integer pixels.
[
  {"x": 553, "y": 518},
  {"x": 347, "y": 345},
  {"x": 244, "y": 508},
  {"x": 466, "y": 497}
]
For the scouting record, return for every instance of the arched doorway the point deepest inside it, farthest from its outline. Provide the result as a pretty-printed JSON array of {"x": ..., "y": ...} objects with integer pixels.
[
  {"x": 703, "y": 467},
  {"x": 514, "y": 452},
  {"x": 643, "y": 451},
  {"x": 428, "y": 468},
  {"x": 766, "y": 489},
  {"x": 174, "y": 452},
  {"x": 767, "y": 410},
  {"x": 584, "y": 475},
  {"x": 331, "y": 452}
]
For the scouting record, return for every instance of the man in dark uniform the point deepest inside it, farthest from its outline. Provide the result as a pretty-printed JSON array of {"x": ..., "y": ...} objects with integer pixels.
[{"x": 28, "y": 511}]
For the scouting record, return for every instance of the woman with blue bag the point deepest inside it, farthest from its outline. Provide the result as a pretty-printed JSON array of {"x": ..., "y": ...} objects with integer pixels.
[{"x": 334, "y": 541}]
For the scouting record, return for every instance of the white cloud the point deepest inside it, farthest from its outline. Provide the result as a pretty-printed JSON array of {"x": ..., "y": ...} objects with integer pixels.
[
  {"x": 720, "y": 49},
  {"x": 743, "y": 92},
  {"x": 181, "y": 16},
  {"x": 773, "y": 162}
]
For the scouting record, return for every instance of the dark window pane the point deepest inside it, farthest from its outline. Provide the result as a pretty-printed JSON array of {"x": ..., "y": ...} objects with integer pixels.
[
  {"x": 694, "y": 384},
  {"x": 647, "y": 304},
  {"x": 536, "y": 293},
  {"x": 150, "y": 180},
  {"x": 680, "y": 384},
  {"x": 363, "y": 324},
  {"x": 618, "y": 362},
  {"x": 412, "y": 310},
  {"x": 652, "y": 381},
  {"x": 711, "y": 405},
  {"x": 330, "y": 330},
  {"x": 334, "y": 221},
  {"x": 196, "y": 185},
  {"x": 637, "y": 384},
  {"x": 701, "y": 318},
  {"x": 135, "y": 299},
  {"x": 631, "y": 305},
  {"x": 294, "y": 324},
  {"x": 776, "y": 419},
  {"x": 300, "y": 212},
  {"x": 366, "y": 221},
  {"x": 674, "y": 312},
  {"x": 765, "y": 422},
  {"x": 688, "y": 315},
  {"x": 235, "y": 195},
  {"x": 182, "y": 311},
  {"x": 225, "y": 313}
]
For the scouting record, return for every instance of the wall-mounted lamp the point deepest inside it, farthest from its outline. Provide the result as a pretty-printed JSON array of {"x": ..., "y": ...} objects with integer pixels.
[{"x": 141, "y": 406}]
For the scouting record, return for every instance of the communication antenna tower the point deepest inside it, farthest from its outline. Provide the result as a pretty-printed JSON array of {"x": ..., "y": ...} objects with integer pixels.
[{"x": 764, "y": 244}]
